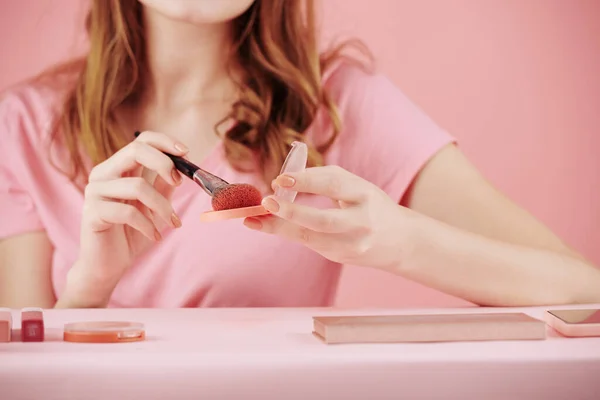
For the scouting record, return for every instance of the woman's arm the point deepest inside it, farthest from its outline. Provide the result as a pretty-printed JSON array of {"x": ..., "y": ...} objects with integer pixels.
[
  {"x": 25, "y": 277},
  {"x": 25, "y": 267},
  {"x": 458, "y": 234},
  {"x": 461, "y": 237},
  {"x": 471, "y": 241}
]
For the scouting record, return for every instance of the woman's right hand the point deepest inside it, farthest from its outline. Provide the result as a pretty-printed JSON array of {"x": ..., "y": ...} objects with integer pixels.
[{"x": 127, "y": 205}]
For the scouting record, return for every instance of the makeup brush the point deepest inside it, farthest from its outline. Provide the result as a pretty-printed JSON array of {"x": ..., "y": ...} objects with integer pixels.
[{"x": 225, "y": 196}]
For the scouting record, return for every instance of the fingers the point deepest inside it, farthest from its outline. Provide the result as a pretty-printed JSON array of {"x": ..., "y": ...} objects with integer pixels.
[
  {"x": 162, "y": 142},
  {"x": 104, "y": 214},
  {"x": 330, "y": 181},
  {"x": 146, "y": 151},
  {"x": 321, "y": 220},
  {"x": 113, "y": 200},
  {"x": 164, "y": 188},
  {"x": 134, "y": 189},
  {"x": 274, "y": 225}
]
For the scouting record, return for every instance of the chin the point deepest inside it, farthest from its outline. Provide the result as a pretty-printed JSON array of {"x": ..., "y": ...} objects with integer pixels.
[{"x": 199, "y": 11}]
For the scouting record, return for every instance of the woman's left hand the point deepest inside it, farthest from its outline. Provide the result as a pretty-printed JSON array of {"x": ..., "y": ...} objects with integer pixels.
[{"x": 365, "y": 227}]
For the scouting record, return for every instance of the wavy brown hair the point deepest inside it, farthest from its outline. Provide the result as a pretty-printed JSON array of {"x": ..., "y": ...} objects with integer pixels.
[{"x": 274, "y": 40}]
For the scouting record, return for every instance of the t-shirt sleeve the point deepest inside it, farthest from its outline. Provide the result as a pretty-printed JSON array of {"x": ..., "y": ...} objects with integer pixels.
[
  {"x": 385, "y": 138},
  {"x": 17, "y": 210}
]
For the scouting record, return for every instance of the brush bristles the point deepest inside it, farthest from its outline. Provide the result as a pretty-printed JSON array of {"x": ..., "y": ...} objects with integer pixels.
[{"x": 236, "y": 196}]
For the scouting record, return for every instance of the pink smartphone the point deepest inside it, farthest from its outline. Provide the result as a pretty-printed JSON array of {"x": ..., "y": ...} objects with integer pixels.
[{"x": 575, "y": 323}]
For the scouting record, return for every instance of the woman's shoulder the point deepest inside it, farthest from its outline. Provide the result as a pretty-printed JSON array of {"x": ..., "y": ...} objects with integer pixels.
[
  {"x": 364, "y": 97},
  {"x": 367, "y": 99},
  {"x": 30, "y": 108},
  {"x": 346, "y": 79},
  {"x": 384, "y": 136}
]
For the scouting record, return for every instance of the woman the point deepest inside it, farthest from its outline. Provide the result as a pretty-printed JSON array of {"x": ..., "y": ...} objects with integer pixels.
[{"x": 105, "y": 220}]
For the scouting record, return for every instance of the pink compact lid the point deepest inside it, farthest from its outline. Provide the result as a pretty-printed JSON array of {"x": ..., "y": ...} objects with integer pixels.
[{"x": 294, "y": 162}]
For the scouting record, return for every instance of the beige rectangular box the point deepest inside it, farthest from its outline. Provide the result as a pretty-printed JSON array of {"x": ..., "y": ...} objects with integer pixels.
[{"x": 428, "y": 328}]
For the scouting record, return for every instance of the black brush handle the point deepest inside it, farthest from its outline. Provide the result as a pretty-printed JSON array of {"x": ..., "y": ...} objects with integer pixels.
[
  {"x": 184, "y": 166},
  {"x": 205, "y": 179}
]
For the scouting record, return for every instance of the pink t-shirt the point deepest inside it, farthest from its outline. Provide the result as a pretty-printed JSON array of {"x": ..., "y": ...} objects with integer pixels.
[{"x": 385, "y": 139}]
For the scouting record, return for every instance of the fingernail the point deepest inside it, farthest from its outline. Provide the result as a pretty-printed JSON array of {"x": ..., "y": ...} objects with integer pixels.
[
  {"x": 253, "y": 223},
  {"x": 175, "y": 220},
  {"x": 157, "y": 236},
  {"x": 181, "y": 147},
  {"x": 286, "y": 181},
  {"x": 176, "y": 176},
  {"x": 270, "y": 204}
]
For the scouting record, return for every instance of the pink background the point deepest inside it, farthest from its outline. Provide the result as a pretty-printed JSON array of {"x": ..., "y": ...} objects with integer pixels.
[{"x": 517, "y": 82}]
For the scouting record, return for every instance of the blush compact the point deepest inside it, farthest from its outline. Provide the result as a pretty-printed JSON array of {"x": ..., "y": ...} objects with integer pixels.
[
  {"x": 243, "y": 202},
  {"x": 104, "y": 332}
]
